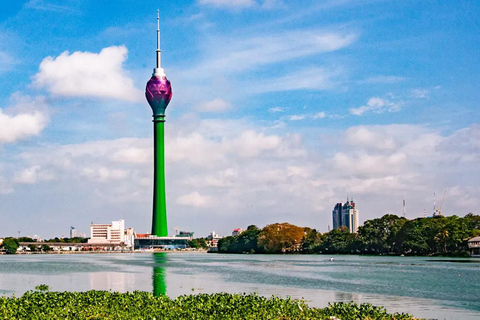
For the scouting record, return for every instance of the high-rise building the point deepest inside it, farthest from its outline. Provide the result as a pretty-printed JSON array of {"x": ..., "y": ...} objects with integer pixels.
[
  {"x": 73, "y": 232},
  {"x": 107, "y": 233},
  {"x": 345, "y": 215}
]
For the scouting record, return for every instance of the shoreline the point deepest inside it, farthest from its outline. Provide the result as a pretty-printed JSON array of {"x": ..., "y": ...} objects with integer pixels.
[
  {"x": 202, "y": 251},
  {"x": 101, "y": 252}
]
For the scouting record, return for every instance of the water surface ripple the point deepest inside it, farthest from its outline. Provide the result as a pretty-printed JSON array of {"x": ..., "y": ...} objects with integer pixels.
[{"x": 425, "y": 287}]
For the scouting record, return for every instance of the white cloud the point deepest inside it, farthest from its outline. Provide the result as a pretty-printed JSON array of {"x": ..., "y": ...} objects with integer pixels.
[
  {"x": 133, "y": 155},
  {"x": 32, "y": 175},
  {"x": 377, "y": 105},
  {"x": 194, "y": 199},
  {"x": 308, "y": 79},
  {"x": 27, "y": 118},
  {"x": 244, "y": 174},
  {"x": 276, "y": 109},
  {"x": 370, "y": 138},
  {"x": 231, "y": 4},
  {"x": 104, "y": 174},
  {"x": 5, "y": 187},
  {"x": 298, "y": 171},
  {"x": 7, "y": 62},
  {"x": 243, "y": 54},
  {"x": 384, "y": 79},
  {"x": 296, "y": 117},
  {"x": 227, "y": 59},
  {"x": 86, "y": 74},
  {"x": 216, "y": 105},
  {"x": 240, "y": 4},
  {"x": 370, "y": 165},
  {"x": 319, "y": 115},
  {"x": 43, "y": 6},
  {"x": 420, "y": 93}
]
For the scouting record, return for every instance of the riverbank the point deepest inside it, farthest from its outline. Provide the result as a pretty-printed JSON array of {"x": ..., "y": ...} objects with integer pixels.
[
  {"x": 107, "y": 252},
  {"x": 144, "y": 305}
]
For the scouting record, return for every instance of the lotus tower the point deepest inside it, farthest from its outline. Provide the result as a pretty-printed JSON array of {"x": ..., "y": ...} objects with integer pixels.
[{"x": 159, "y": 93}]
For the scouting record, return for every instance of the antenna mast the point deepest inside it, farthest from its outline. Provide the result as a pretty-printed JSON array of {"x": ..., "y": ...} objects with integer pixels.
[
  {"x": 158, "y": 71},
  {"x": 159, "y": 52},
  {"x": 404, "y": 211}
]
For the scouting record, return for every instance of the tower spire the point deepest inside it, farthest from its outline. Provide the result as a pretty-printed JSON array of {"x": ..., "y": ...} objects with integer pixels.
[
  {"x": 158, "y": 71},
  {"x": 159, "y": 52}
]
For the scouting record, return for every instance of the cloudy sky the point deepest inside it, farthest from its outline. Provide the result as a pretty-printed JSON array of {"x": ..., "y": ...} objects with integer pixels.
[{"x": 280, "y": 109}]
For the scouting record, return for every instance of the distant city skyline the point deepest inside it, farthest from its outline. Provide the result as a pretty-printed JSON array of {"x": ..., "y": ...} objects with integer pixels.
[{"x": 279, "y": 111}]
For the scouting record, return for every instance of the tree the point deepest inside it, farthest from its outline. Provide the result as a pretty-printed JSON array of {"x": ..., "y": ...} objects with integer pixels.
[
  {"x": 46, "y": 248},
  {"x": 338, "y": 241},
  {"x": 193, "y": 244},
  {"x": 379, "y": 235},
  {"x": 225, "y": 244},
  {"x": 32, "y": 247},
  {"x": 413, "y": 237},
  {"x": 203, "y": 243},
  {"x": 25, "y": 239},
  {"x": 281, "y": 238},
  {"x": 311, "y": 241},
  {"x": 10, "y": 245},
  {"x": 247, "y": 241}
]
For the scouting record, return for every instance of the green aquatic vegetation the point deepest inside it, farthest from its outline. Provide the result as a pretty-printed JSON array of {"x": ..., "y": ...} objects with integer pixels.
[
  {"x": 42, "y": 287},
  {"x": 144, "y": 305}
]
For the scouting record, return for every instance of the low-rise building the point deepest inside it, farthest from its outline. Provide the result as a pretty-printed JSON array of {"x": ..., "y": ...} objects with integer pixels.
[
  {"x": 147, "y": 241},
  {"x": 213, "y": 238},
  {"x": 236, "y": 231},
  {"x": 474, "y": 246},
  {"x": 129, "y": 238}
]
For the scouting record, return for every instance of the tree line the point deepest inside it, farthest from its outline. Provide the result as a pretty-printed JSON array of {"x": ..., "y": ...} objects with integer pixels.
[
  {"x": 10, "y": 244},
  {"x": 389, "y": 234}
]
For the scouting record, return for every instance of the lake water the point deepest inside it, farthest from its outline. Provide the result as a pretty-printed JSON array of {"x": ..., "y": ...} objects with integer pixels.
[{"x": 441, "y": 288}]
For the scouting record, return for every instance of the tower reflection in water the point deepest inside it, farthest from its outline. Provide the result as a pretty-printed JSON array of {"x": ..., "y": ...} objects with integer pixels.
[{"x": 159, "y": 282}]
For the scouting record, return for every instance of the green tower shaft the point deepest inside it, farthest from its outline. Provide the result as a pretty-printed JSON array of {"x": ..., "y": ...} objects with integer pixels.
[
  {"x": 159, "y": 222},
  {"x": 159, "y": 273}
]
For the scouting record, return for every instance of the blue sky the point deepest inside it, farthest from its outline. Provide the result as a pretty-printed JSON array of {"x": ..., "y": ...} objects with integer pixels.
[{"x": 280, "y": 110}]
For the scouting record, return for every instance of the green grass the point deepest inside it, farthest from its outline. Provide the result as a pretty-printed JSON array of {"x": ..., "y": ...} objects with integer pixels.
[{"x": 143, "y": 305}]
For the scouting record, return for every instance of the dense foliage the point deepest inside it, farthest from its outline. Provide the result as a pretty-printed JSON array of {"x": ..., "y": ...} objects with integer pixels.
[
  {"x": 199, "y": 243},
  {"x": 246, "y": 241},
  {"x": 389, "y": 234},
  {"x": 281, "y": 237},
  {"x": 68, "y": 240},
  {"x": 10, "y": 245},
  {"x": 144, "y": 305}
]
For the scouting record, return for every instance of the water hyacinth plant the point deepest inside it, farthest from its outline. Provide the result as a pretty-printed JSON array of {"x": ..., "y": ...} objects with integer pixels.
[{"x": 144, "y": 305}]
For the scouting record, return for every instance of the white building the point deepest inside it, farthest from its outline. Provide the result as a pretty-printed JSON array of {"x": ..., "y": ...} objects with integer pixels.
[
  {"x": 73, "y": 232},
  {"x": 213, "y": 238},
  {"x": 129, "y": 238},
  {"x": 107, "y": 233},
  {"x": 345, "y": 215},
  {"x": 236, "y": 231}
]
